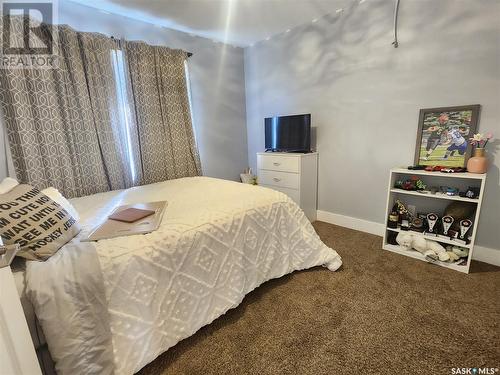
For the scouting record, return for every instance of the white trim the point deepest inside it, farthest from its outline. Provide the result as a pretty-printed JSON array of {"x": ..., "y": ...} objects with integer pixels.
[
  {"x": 482, "y": 254},
  {"x": 351, "y": 222},
  {"x": 487, "y": 255}
]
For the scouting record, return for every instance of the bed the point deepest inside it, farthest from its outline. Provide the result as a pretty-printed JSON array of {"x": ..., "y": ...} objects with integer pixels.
[
  {"x": 113, "y": 306},
  {"x": 36, "y": 332}
]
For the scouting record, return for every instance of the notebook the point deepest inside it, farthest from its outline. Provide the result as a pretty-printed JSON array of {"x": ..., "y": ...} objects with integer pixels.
[
  {"x": 129, "y": 215},
  {"x": 112, "y": 228}
]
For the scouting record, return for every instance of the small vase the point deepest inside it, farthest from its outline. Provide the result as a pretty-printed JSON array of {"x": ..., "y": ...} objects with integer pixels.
[{"x": 478, "y": 163}]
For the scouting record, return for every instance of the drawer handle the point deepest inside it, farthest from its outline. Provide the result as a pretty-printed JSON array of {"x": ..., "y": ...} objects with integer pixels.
[
  {"x": 276, "y": 179},
  {"x": 276, "y": 164}
]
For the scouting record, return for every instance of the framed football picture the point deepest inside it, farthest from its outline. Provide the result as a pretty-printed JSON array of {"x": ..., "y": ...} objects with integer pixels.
[{"x": 443, "y": 135}]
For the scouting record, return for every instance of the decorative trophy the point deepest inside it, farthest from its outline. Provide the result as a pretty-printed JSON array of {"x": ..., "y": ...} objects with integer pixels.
[
  {"x": 432, "y": 219},
  {"x": 447, "y": 223},
  {"x": 465, "y": 225}
]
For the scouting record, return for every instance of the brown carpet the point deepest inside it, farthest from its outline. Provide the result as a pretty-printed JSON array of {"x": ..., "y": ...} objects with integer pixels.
[{"x": 381, "y": 313}]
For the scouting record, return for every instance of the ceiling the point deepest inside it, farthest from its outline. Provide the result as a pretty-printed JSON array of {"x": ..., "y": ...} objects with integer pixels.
[{"x": 237, "y": 22}]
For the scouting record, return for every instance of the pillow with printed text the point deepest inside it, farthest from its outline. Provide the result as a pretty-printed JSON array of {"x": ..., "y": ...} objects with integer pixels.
[{"x": 34, "y": 221}]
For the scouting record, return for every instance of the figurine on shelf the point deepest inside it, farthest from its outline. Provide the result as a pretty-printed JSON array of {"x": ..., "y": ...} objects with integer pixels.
[
  {"x": 433, "y": 168},
  {"x": 443, "y": 190},
  {"x": 471, "y": 192},
  {"x": 409, "y": 185},
  {"x": 398, "y": 184},
  {"x": 413, "y": 183},
  {"x": 420, "y": 185},
  {"x": 454, "y": 170},
  {"x": 400, "y": 208}
]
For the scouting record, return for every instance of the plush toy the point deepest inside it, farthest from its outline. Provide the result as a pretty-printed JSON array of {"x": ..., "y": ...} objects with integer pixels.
[
  {"x": 453, "y": 257},
  {"x": 430, "y": 249},
  {"x": 457, "y": 252},
  {"x": 462, "y": 252}
]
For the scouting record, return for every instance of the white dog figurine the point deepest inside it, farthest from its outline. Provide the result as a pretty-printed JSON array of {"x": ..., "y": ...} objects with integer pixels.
[{"x": 430, "y": 249}]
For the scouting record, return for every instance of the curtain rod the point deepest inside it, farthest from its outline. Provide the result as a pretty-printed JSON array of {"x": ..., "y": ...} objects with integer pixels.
[{"x": 189, "y": 54}]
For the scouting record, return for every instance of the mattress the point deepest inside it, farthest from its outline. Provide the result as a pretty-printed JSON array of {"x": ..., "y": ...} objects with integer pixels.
[{"x": 113, "y": 306}]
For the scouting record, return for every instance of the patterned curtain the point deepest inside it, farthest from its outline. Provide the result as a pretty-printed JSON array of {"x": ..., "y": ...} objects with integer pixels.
[
  {"x": 62, "y": 123},
  {"x": 114, "y": 120},
  {"x": 160, "y": 97}
]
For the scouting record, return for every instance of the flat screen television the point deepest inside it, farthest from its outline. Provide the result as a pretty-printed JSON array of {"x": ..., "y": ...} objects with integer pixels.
[{"x": 288, "y": 133}]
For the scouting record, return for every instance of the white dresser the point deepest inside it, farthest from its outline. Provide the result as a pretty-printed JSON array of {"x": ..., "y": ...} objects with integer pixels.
[{"x": 293, "y": 174}]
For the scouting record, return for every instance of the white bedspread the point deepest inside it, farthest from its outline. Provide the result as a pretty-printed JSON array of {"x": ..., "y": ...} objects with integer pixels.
[{"x": 218, "y": 241}]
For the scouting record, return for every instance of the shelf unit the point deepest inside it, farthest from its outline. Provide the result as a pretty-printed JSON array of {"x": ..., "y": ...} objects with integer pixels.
[{"x": 454, "y": 179}]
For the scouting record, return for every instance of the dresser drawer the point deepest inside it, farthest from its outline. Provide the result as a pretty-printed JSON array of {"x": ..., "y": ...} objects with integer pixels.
[
  {"x": 280, "y": 179},
  {"x": 279, "y": 163},
  {"x": 292, "y": 193}
]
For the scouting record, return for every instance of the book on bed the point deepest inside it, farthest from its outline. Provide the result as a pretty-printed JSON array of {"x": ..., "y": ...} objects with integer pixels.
[
  {"x": 139, "y": 218},
  {"x": 131, "y": 215}
]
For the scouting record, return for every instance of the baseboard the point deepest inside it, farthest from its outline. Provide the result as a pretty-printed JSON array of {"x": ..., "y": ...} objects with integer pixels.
[
  {"x": 482, "y": 254},
  {"x": 487, "y": 255},
  {"x": 351, "y": 222}
]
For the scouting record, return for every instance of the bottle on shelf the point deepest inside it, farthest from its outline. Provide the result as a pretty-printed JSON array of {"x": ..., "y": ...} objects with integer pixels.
[{"x": 393, "y": 220}]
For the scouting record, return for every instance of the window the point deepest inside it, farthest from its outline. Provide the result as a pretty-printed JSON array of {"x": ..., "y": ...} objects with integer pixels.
[{"x": 188, "y": 84}]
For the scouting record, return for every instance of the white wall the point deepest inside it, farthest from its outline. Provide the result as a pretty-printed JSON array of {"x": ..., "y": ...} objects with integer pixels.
[
  {"x": 217, "y": 85},
  {"x": 364, "y": 95}
]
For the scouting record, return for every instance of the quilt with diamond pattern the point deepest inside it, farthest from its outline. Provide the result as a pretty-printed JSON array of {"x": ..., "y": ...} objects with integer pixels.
[{"x": 218, "y": 241}]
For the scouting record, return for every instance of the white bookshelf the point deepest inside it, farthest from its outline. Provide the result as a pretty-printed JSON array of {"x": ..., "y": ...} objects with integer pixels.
[{"x": 459, "y": 180}]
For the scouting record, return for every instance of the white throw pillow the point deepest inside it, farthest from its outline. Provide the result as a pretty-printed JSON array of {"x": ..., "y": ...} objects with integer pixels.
[
  {"x": 7, "y": 185},
  {"x": 57, "y": 197}
]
